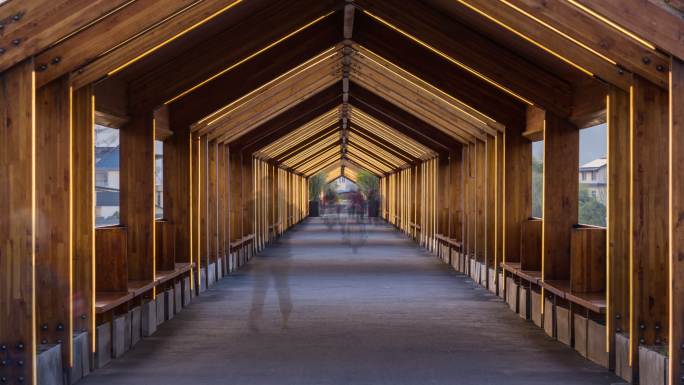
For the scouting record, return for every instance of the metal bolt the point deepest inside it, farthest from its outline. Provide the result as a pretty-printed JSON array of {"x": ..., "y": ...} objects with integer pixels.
[
  {"x": 618, "y": 330},
  {"x": 660, "y": 68},
  {"x": 20, "y": 363},
  {"x": 617, "y": 316},
  {"x": 2, "y": 26},
  {"x": 3, "y": 379},
  {"x": 83, "y": 316},
  {"x": 621, "y": 71},
  {"x": 20, "y": 346},
  {"x": 646, "y": 59},
  {"x": 642, "y": 326},
  {"x": 641, "y": 341},
  {"x": 4, "y": 347},
  {"x": 657, "y": 326},
  {"x": 56, "y": 60},
  {"x": 16, "y": 41},
  {"x": 16, "y": 17},
  {"x": 43, "y": 341},
  {"x": 2, "y": 50},
  {"x": 42, "y": 67},
  {"x": 20, "y": 379},
  {"x": 3, "y": 362},
  {"x": 59, "y": 341},
  {"x": 44, "y": 327},
  {"x": 60, "y": 327},
  {"x": 657, "y": 341}
]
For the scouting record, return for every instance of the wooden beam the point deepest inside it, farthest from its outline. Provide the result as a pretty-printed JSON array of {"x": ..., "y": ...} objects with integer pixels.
[
  {"x": 107, "y": 34},
  {"x": 145, "y": 44},
  {"x": 251, "y": 35},
  {"x": 53, "y": 191},
  {"x": 676, "y": 234},
  {"x": 644, "y": 19},
  {"x": 484, "y": 59},
  {"x": 137, "y": 195},
  {"x": 575, "y": 38},
  {"x": 31, "y": 26},
  {"x": 17, "y": 227}
]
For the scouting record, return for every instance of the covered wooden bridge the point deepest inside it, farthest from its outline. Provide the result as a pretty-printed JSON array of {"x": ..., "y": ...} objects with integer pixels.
[{"x": 150, "y": 148}]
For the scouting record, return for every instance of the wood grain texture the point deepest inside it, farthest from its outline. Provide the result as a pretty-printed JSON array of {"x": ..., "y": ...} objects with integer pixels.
[
  {"x": 212, "y": 201},
  {"x": 165, "y": 248},
  {"x": 83, "y": 214},
  {"x": 137, "y": 194},
  {"x": 560, "y": 201},
  {"x": 53, "y": 215},
  {"x": 480, "y": 197},
  {"x": 111, "y": 248},
  {"x": 588, "y": 260},
  {"x": 531, "y": 245},
  {"x": 44, "y": 22},
  {"x": 17, "y": 225},
  {"x": 650, "y": 210},
  {"x": 517, "y": 181},
  {"x": 676, "y": 337},
  {"x": 618, "y": 217}
]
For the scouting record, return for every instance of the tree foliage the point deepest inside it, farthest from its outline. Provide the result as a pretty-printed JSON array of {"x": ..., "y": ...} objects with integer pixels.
[
  {"x": 316, "y": 183},
  {"x": 368, "y": 184}
]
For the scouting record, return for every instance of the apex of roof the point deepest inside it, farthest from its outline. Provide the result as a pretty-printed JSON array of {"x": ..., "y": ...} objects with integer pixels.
[{"x": 594, "y": 164}]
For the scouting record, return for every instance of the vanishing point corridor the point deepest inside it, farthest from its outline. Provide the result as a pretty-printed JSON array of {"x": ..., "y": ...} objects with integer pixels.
[{"x": 367, "y": 306}]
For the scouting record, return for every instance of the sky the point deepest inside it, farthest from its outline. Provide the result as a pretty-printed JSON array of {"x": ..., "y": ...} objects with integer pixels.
[{"x": 593, "y": 144}]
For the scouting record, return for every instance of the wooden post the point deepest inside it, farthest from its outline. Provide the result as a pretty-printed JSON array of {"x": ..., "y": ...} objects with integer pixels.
[
  {"x": 83, "y": 215},
  {"x": 178, "y": 186},
  {"x": 137, "y": 195},
  {"x": 53, "y": 188},
  {"x": 617, "y": 301},
  {"x": 203, "y": 174},
  {"x": 676, "y": 251},
  {"x": 560, "y": 198},
  {"x": 649, "y": 136},
  {"x": 17, "y": 197},
  {"x": 517, "y": 188},
  {"x": 212, "y": 203}
]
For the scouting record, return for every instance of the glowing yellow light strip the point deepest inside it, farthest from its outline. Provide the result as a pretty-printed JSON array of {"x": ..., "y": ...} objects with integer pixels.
[
  {"x": 154, "y": 205},
  {"x": 612, "y": 24},
  {"x": 387, "y": 156},
  {"x": 71, "y": 226},
  {"x": 608, "y": 181},
  {"x": 316, "y": 163},
  {"x": 185, "y": 31},
  {"x": 631, "y": 224},
  {"x": 387, "y": 145},
  {"x": 527, "y": 38},
  {"x": 191, "y": 251},
  {"x": 315, "y": 147},
  {"x": 34, "y": 366},
  {"x": 556, "y": 30},
  {"x": 388, "y": 131},
  {"x": 452, "y": 60},
  {"x": 93, "y": 268},
  {"x": 365, "y": 165},
  {"x": 93, "y": 22},
  {"x": 304, "y": 132},
  {"x": 423, "y": 85},
  {"x": 359, "y": 154},
  {"x": 266, "y": 48},
  {"x": 543, "y": 203}
]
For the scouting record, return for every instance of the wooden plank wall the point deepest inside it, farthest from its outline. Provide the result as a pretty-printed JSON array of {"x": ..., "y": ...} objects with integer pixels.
[{"x": 17, "y": 317}]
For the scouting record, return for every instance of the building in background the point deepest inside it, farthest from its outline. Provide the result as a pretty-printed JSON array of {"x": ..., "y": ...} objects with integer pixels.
[{"x": 593, "y": 178}]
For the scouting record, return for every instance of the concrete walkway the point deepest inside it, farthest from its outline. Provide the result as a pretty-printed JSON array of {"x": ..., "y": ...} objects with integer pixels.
[{"x": 312, "y": 309}]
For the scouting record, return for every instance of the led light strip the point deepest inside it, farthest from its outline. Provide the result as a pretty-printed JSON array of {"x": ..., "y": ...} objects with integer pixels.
[
  {"x": 452, "y": 60},
  {"x": 251, "y": 56},
  {"x": 367, "y": 120}
]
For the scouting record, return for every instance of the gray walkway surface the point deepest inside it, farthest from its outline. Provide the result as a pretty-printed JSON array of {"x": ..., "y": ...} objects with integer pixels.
[{"x": 312, "y": 309}]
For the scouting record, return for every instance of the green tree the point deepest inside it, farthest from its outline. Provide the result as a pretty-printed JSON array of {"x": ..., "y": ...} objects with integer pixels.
[
  {"x": 591, "y": 211},
  {"x": 537, "y": 187},
  {"x": 368, "y": 184},
  {"x": 316, "y": 183}
]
